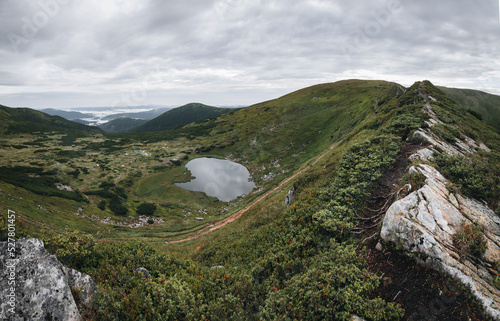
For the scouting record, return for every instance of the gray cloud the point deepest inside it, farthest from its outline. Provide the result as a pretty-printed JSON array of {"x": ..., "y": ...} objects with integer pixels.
[{"x": 63, "y": 53}]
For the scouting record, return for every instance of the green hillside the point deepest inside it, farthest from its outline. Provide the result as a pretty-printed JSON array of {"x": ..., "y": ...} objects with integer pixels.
[
  {"x": 26, "y": 120},
  {"x": 121, "y": 125},
  {"x": 343, "y": 146},
  {"x": 487, "y": 106},
  {"x": 180, "y": 116}
]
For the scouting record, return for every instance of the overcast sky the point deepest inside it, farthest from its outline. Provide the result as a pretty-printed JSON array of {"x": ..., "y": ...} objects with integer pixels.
[{"x": 68, "y": 53}]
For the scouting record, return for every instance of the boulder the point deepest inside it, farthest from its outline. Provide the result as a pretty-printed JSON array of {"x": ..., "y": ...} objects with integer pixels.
[
  {"x": 34, "y": 285},
  {"x": 289, "y": 197},
  {"x": 424, "y": 223},
  {"x": 144, "y": 272}
]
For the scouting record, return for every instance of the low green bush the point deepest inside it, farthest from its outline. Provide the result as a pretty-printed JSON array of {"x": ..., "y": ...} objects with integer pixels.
[
  {"x": 146, "y": 209},
  {"x": 118, "y": 209},
  {"x": 477, "y": 177}
]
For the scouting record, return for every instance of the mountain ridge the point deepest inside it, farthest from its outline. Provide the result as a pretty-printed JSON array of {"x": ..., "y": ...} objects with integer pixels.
[{"x": 180, "y": 116}]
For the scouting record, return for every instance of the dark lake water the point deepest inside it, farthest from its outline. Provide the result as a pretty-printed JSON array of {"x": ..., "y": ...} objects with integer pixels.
[{"x": 218, "y": 178}]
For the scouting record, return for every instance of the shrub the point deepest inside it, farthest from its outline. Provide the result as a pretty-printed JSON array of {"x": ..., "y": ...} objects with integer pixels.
[
  {"x": 416, "y": 180},
  {"x": 403, "y": 125},
  {"x": 475, "y": 114},
  {"x": 146, "y": 209},
  {"x": 118, "y": 209},
  {"x": 469, "y": 240},
  {"x": 445, "y": 132},
  {"x": 72, "y": 248},
  {"x": 476, "y": 177},
  {"x": 101, "y": 205}
]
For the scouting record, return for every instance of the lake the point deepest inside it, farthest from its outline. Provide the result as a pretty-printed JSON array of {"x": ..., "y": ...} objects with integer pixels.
[{"x": 218, "y": 178}]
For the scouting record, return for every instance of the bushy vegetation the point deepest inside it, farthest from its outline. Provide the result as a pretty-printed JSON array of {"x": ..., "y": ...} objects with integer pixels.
[
  {"x": 447, "y": 132},
  {"x": 476, "y": 176},
  {"x": 146, "y": 209},
  {"x": 405, "y": 123},
  {"x": 114, "y": 194},
  {"x": 360, "y": 168},
  {"x": 470, "y": 241},
  {"x": 38, "y": 181}
]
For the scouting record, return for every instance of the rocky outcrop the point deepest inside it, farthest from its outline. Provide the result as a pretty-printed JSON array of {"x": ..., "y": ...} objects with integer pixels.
[
  {"x": 425, "y": 221},
  {"x": 36, "y": 286},
  {"x": 462, "y": 146},
  {"x": 289, "y": 196}
]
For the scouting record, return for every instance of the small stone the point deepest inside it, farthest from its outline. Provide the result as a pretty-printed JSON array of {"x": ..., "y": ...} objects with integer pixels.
[
  {"x": 144, "y": 272},
  {"x": 378, "y": 247},
  {"x": 453, "y": 200}
]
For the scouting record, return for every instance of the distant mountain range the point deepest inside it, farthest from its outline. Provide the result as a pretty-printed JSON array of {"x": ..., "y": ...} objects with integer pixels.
[
  {"x": 99, "y": 115},
  {"x": 69, "y": 115},
  {"x": 140, "y": 118}
]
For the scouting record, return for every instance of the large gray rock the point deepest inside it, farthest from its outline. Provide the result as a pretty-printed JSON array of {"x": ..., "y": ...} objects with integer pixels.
[
  {"x": 290, "y": 195},
  {"x": 425, "y": 221},
  {"x": 42, "y": 284}
]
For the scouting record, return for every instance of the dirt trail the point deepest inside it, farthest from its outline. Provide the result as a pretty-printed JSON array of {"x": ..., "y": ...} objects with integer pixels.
[{"x": 239, "y": 213}]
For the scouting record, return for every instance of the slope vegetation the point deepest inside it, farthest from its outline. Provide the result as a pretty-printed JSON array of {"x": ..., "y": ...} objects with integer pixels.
[{"x": 483, "y": 105}]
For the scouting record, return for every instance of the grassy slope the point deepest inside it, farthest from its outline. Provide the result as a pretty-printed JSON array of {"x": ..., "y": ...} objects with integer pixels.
[
  {"x": 180, "y": 116},
  {"x": 294, "y": 128},
  {"x": 487, "y": 105}
]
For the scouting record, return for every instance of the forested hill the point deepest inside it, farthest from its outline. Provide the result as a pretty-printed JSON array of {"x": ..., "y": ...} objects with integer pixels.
[
  {"x": 26, "y": 120},
  {"x": 180, "y": 116}
]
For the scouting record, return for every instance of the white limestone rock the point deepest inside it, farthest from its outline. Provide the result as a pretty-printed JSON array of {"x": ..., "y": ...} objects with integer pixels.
[{"x": 425, "y": 221}]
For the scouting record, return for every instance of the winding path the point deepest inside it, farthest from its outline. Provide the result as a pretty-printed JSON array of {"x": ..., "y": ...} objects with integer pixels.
[{"x": 239, "y": 213}]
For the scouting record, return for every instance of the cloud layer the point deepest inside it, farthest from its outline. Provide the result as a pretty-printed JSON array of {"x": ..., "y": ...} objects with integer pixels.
[{"x": 64, "y": 53}]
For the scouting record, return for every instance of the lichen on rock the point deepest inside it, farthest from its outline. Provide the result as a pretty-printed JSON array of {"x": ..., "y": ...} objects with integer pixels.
[{"x": 42, "y": 284}]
